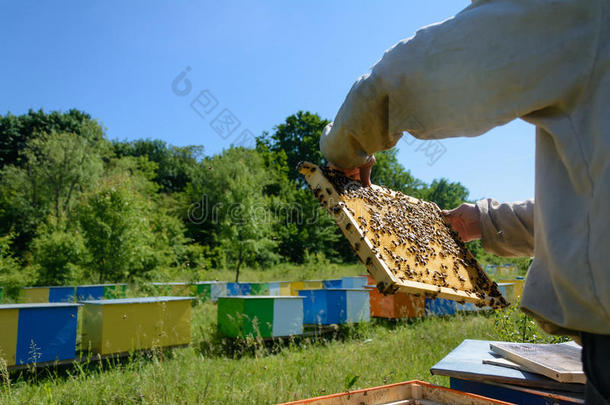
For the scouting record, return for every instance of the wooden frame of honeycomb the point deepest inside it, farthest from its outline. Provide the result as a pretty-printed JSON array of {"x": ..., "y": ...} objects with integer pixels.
[{"x": 405, "y": 243}]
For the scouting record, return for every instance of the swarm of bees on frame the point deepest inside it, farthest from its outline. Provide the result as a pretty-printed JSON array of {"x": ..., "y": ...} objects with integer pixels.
[{"x": 409, "y": 235}]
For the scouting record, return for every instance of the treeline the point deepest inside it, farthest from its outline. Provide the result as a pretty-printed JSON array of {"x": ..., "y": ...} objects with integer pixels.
[{"x": 77, "y": 207}]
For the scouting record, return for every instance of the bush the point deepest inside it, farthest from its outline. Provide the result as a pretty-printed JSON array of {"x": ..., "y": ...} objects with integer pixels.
[{"x": 58, "y": 254}]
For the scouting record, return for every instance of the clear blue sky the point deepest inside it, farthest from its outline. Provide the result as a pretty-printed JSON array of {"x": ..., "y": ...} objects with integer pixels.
[{"x": 260, "y": 60}]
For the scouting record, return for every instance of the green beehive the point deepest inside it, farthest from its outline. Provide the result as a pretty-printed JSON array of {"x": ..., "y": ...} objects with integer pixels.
[
  {"x": 209, "y": 290},
  {"x": 260, "y": 316},
  {"x": 259, "y": 289}
]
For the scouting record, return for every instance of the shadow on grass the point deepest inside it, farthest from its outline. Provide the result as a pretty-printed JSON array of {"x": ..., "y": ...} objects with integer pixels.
[
  {"x": 218, "y": 345},
  {"x": 87, "y": 364}
]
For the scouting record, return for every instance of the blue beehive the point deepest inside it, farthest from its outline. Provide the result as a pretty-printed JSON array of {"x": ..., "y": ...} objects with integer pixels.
[
  {"x": 336, "y": 283},
  {"x": 354, "y": 282},
  {"x": 45, "y": 332},
  {"x": 315, "y": 307},
  {"x": 61, "y": 294},
  {"x": 335, "y": 306},
  {"x": 235, "y": 289},
  {"x": 274, "y": 288},
  {"x": 440, "y": 306},
  {"x": 89, "y": 292}
]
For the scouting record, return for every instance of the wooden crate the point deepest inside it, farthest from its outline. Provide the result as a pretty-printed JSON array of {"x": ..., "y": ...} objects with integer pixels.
[
  {"x": 260, "y": 316},
  {"x": 405, "y": 243},
  {"x": 469, "y": 362},
  {"x": 123, "y": 325},
  {"x": 38, "y": 333},
  {"x": 335, "y": 306},
  {"x": 409, "y": 392}
]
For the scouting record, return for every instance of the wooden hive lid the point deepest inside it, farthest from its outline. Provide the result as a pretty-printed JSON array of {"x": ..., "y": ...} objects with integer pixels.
[{"x": 405, "y": 243}]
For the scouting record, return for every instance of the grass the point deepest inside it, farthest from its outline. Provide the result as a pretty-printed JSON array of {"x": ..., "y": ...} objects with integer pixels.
[{"x": 282, "y": 272}]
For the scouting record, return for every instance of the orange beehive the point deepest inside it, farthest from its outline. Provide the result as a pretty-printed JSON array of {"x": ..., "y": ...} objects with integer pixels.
[{"x": 395, "y": 306}]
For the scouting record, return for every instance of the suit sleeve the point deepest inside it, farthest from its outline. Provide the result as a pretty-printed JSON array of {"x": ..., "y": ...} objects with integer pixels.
[
  {"x": 493, "y": 62},
  {"x": 507, "y": 229}
]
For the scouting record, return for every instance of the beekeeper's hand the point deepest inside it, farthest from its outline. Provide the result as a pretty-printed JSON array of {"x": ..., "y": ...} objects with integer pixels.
[
  {"x": 362, "y": 173},
  {"x": 465, "y": 220}
]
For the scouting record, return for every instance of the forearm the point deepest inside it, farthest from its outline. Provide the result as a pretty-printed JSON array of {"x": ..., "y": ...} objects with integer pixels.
[
  {"x": 490, "y": 64},
  {"x": 507, "y": 229}
]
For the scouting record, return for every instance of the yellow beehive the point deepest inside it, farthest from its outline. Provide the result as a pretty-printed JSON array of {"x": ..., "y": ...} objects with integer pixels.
[
  {"x": 295, "y": 286},
  {"x": 123, "y": 325},
  {"x": 32, "y": 295},
  {"x": 518, "y": 286},
  {"x": 285, "y": 288},
  {"x": 9, "y": 319}
]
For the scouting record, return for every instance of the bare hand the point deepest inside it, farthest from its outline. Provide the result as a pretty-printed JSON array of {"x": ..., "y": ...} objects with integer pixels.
[
  {"x": 465, "y": 220},
  {"x": 362, "y": 173}
]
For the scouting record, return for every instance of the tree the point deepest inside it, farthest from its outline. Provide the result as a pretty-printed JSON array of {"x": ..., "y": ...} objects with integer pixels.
[
  {"x": 17, "y": 131},
  {"x": 174, "y": 164},
  {"x": 299, "y": 138},
  {"x": 445, "y": 194},
  {"x": 230, "y": 209},
  {"x": 58, "y": 252},
  {"x": 390, "y": 173},
  {"x": 117, "y": 232},
  {"x": 54, "y": 169}
]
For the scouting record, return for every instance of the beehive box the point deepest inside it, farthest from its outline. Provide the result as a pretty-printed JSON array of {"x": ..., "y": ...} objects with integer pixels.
[
  {"x": 38, "y": 333},
  {"x": 517, "y": 288},
  {"x": 259, "y": 289},
  {"x": 260, "y": 316},
  {"x": 404, "y": 242},
  {"x": 295, "y": 286},
  {"x": 47, "y": 294},
  {"x": 100, "y": 291},
  {"x": 408, "y": 392},
  {"x": 127, "y": 324},
  {"x": 354, "y": 282},
  {"x": 400, "y": 305},
  {"x": 507, "y": 290},
  {"x": 238, "y": 289},
  {"x": 440, "y": 307},
  {"x": 285, "y": 288},
  {"x": 275, "y": 288},
  {"x": 209, "y": 290},
  {"x": 335, "y": 306},
  {"x": 335, "y": 283},
  {"x": 172, "y": 289}
]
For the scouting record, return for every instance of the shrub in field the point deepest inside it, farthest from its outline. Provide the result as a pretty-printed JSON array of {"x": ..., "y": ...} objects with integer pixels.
[{"x": 513, "y": 325}]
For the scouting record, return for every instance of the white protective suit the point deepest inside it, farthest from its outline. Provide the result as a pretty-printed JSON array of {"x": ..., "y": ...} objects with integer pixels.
[{"x": 546, "y": 62}]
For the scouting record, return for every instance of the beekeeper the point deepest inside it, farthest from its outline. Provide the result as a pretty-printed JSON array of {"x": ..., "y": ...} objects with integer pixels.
[{"x": 546, "y": 62}]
